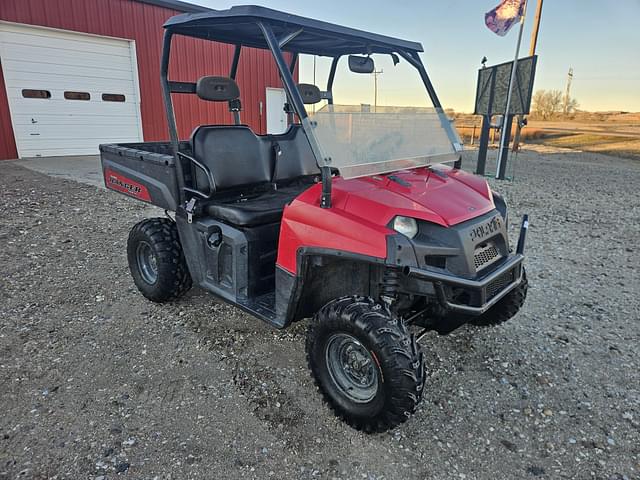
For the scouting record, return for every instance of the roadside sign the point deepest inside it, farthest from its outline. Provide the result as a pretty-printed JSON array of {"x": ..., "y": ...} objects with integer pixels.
[{"x": 493, "y": 88}]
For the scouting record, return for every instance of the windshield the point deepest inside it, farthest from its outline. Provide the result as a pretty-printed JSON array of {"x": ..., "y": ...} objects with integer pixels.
[{"x": 379, "y": 122}]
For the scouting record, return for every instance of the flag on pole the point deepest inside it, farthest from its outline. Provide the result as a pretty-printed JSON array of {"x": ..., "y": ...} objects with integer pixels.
[{"x": 504, "y": 16}]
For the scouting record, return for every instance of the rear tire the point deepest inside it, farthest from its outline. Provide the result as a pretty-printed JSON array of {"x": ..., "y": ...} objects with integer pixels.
[
  {"x": 507, "y": 307},
  {"x": 156, "y": 260},
  {"x": 367, "y": 365}
]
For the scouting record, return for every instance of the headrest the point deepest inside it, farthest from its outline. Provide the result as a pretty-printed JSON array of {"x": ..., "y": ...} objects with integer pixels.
[
  {"x": 309, "y": 93},
  {"x": 217, "y": 89}
]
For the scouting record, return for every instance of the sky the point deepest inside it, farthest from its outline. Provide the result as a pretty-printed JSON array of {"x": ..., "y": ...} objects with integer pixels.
[{"x": 599, "y": 39}]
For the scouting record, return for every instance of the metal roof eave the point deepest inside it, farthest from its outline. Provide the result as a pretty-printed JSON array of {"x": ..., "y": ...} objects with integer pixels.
[{"x": 176, "y": 5}]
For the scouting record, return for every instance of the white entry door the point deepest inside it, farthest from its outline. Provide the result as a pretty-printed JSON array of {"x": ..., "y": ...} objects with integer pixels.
[
  {"x": 68, "y": 92},
  {"x": 276, "y": 117}
]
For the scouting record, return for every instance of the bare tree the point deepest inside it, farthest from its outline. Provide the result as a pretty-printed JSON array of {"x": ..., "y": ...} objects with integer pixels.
[{"x": 547, "y": 103}]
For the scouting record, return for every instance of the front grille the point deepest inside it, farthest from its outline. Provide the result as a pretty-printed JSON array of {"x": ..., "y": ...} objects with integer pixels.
[
  {"x": 485, "y": 256},
  {"x": 499, "y": 284}
]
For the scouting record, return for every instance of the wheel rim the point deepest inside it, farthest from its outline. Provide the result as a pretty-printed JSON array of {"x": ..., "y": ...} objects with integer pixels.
[
  {"x": 352, "y": 368},
  {"x": 147, "y": 263}
]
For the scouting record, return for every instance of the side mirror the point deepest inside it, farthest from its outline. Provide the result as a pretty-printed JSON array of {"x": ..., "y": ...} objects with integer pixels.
[{"x": 361, "y": 64}]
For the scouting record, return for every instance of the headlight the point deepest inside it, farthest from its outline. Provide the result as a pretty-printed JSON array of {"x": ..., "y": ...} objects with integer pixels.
[{"x": 406, "y": 226}]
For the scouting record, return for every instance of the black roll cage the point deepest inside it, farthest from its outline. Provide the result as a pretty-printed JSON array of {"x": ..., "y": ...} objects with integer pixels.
[{"x": 276, "y": 45}]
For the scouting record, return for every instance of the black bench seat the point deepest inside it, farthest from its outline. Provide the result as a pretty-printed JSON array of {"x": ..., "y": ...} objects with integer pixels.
[
  {"x": 259, "y": 209},
  {"x": 245, "y": 168}
]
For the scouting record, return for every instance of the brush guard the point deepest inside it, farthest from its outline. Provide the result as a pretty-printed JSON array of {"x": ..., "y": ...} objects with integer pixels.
[{"x": 488, "y": 290}]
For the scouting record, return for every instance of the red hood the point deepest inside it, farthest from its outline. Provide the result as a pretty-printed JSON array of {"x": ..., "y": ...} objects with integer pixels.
[
  {"x": 439, "y": 194},
  {"x": 361, "y": 209}
]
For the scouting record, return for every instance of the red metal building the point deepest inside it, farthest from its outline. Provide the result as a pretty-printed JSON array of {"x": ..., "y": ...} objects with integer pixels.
[{"x": 45, "y": 118}]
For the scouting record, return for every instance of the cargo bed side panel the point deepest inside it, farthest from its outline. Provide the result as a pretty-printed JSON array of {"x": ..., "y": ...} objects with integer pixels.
[{"x": 143, "y": 171}]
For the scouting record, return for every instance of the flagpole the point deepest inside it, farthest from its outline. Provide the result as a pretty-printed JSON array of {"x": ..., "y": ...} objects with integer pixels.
[{"x": 511, "y": 82}]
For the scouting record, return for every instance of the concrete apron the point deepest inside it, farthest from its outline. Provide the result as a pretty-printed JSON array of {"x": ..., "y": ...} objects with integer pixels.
[{"x": 83, "y": 169}]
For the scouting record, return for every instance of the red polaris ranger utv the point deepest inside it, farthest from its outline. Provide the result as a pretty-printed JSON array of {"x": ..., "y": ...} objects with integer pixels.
[{"x": 347, "y": 215}]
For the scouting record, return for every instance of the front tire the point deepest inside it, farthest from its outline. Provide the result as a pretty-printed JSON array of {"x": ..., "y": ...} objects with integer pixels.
[
  {"x": 367, "y": 365},
  {"x": 156, "y": 260}
]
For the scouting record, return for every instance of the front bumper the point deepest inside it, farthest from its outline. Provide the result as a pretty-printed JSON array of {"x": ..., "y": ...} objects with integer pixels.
[
  {"x": 483, "y": 292},
  {"x": 488, "y": 290}
]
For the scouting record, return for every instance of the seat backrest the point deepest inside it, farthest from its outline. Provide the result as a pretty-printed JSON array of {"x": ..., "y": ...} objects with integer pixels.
[
  {"x": 310, "y": 93},
  {"x": 234, "y": 154},
  {"x": 220, "y": 89},
  {"x": 295, "y": 158}
]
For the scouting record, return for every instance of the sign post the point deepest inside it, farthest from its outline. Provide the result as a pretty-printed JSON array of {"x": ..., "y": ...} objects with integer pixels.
[
  {"x": 508, "y": 117},
  {"x": 483, "y": 144}
]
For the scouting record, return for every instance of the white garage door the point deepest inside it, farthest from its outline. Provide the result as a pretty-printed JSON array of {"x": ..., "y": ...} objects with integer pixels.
[{"x": 69, "y": 92}]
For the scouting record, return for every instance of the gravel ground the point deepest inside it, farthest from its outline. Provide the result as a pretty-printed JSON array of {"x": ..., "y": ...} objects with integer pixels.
[{"x": 96, "y": 382}]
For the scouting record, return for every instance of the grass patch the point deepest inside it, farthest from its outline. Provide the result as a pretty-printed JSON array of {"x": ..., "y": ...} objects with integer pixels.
[
  {"x": 593, "y": 142},
  {"x": 466, "y": 132},
  {"x": 618, "y": 146},
  {"x": 580, "y": 140}
]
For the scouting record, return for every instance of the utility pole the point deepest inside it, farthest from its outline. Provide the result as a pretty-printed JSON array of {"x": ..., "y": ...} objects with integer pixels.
[
  {"x": 375, "y": 74},
  {"x": 532, "y": 52},
  {"x": 565, "y": 110},
  {"x": 536, "y": 28}
]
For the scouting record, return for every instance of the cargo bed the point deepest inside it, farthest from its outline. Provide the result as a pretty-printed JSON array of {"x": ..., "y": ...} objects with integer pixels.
[{"x": 145, "y": 171}]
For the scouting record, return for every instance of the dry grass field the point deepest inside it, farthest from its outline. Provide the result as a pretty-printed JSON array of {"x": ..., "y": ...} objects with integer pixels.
[{"x": 611, "y": 133}]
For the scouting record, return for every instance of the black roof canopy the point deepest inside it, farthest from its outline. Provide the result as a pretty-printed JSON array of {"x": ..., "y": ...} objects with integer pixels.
[{"x": 239, "y": 25}]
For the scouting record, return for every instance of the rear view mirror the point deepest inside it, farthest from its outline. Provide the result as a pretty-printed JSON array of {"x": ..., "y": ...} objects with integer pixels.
[{"x": 361, "y": 64}]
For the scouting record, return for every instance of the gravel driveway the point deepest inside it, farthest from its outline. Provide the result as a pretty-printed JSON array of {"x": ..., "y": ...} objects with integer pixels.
[{"x": 97, "y": 382}]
